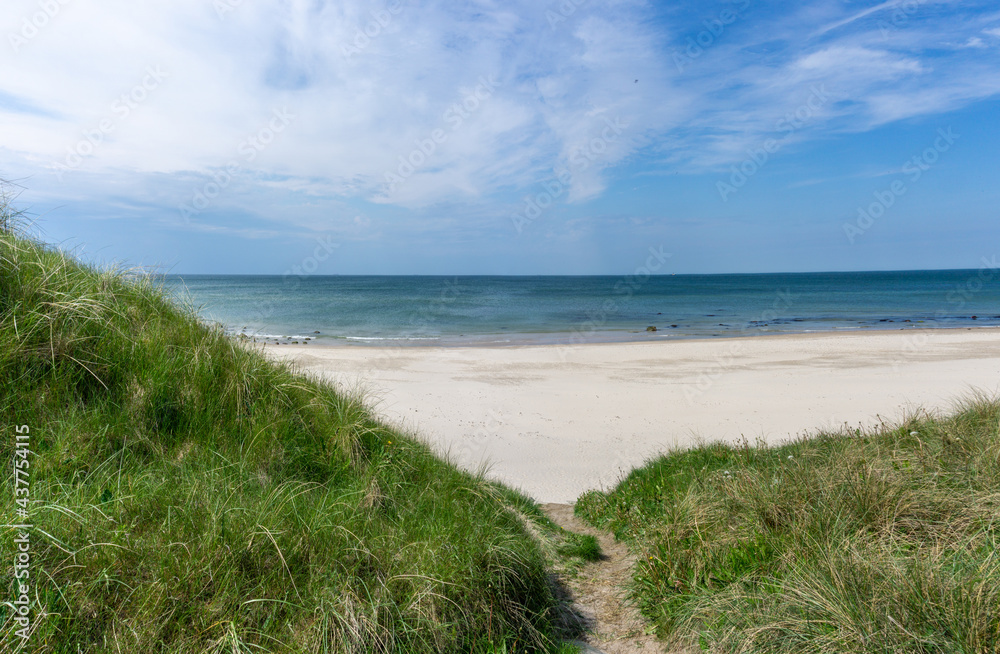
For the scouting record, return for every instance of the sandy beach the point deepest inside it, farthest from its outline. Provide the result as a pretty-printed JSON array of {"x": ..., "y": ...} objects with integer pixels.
[{"x": 558, "y": 420}]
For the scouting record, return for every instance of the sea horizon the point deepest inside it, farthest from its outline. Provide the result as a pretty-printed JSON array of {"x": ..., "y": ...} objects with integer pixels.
[{"x": 533, "y": 309}]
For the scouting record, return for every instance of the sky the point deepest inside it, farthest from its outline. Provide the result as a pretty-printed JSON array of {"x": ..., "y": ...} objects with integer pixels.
[{"x": 508, "y": 137}]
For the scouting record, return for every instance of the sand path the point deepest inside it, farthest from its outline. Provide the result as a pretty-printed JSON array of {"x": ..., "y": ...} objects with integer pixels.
[{"x": 599, "y": 591}]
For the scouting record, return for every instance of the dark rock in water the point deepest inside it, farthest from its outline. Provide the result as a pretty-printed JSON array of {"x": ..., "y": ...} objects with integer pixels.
[
  {"x": 673, "y": 325},
  {"x": 315, "y": 332},
  {"x": 659, "y": 313},
  {"x": 295, "y": 342},
  {"x": 651, "y": 329}
]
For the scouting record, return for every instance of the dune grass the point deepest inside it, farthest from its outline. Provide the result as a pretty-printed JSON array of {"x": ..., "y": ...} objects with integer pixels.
[
  {"x": 189, "y": 495},
  {"x": 581, "y": 546},
  {"x": 879, "y": 541}
]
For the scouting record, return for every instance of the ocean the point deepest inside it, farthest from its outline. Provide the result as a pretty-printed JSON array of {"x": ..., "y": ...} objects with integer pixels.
[{"x": 432, "y": 310}]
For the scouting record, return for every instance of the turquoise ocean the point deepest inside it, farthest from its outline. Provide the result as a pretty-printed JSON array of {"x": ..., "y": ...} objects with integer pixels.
[{"x": 432, "y": 310}]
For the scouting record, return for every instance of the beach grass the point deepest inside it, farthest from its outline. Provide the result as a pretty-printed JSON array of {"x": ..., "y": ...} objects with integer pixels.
[
  {"x": 883, "y": 540},
  {"x": 186, "y": 494},
  {"x": 581, "y": 546}
]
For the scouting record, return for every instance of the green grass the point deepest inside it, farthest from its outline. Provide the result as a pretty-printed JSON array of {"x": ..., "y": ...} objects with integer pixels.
[
  {"x": 581, "y": 546},
  {"x": 885, "y": 541},
  {"x": 189, "y": 495}
]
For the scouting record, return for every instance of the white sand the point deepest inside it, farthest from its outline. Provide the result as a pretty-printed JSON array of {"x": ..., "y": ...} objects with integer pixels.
[{"x": 558, "y": 420}]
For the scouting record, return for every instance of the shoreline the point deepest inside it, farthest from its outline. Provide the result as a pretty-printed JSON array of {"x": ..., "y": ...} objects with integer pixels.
[
  {"x": 556, "y": 420},
  {"x": 563, "y": 339}
]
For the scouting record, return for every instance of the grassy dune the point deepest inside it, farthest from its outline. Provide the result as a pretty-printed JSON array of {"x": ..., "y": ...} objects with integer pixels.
[
  {"x": 855, "y": 542},
  {"x": 188, "y": 495}
]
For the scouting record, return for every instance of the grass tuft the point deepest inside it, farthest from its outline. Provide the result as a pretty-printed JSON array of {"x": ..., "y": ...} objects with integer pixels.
[{"x": 581, "y": 546}]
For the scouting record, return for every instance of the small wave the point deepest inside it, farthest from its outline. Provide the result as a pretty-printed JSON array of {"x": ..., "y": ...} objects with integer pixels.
[
  {"x": 392, "y": 338},
  {"x": 277, "y": 337}
]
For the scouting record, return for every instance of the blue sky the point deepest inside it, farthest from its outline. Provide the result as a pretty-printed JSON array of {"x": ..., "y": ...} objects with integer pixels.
[{"x": 229, "y": 136}]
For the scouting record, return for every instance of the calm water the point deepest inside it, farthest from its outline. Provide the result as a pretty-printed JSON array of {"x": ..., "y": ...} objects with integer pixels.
[{"x": 453, "y": 310}]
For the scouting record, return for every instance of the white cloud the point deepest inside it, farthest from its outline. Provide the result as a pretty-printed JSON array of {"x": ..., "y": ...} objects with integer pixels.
[
  {"x": 366, "y": 87},
  {"x": 841, "y": 62},
  {"x": 459, "y": 101},
  {"x": 856, "y": 17}
]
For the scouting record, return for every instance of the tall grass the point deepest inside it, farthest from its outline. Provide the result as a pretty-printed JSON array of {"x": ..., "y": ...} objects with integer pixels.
[
  {"x": 188, "y": 495},
  {"x": 885, "y": 541}
]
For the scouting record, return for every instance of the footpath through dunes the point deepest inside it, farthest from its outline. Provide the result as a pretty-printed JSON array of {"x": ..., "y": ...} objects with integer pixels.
[{"x": 598, "y": 593}]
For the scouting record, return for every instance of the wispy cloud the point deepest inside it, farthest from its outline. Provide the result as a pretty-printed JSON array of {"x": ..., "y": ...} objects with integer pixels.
[{"x": 379, "y": 90}]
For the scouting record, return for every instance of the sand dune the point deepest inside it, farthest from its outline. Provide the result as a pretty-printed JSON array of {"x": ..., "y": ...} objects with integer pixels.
[{"x": 558, "y": 420}]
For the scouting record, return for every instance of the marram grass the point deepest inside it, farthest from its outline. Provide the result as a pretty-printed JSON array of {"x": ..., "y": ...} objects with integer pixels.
[
  {"x": 189, "y": 495},
  {"x": 879, "y": 541}
]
